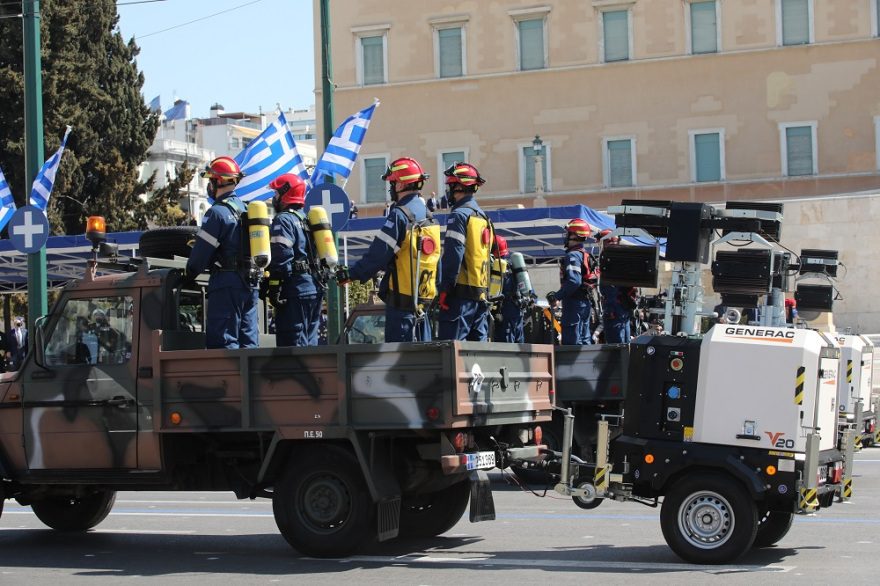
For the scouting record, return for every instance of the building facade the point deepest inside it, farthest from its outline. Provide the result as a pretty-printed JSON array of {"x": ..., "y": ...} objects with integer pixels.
[{"x": 665, "y": 99}]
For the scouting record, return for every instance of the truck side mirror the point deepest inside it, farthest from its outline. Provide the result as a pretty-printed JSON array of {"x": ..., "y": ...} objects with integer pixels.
[{"x": 39, "y": 342}]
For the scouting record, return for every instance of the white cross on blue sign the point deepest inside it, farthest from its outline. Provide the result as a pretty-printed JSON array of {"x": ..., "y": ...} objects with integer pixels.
[
  {"x": 334, "y": 200},
  {"x": 28, "y": 229}
]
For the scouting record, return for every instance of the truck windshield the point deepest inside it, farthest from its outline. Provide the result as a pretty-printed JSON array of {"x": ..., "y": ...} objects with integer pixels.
[
  {"x": 92, "y": 331},
  {"x": 367, "y": 329}
]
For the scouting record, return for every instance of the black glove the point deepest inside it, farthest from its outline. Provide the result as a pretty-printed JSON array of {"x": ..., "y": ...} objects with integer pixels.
[
  {"x": 264, "y": 288},
  {"x": 343, "y": 276},
  {"x": 273, "y": 293},
  {"x": 551, "y": 297}
]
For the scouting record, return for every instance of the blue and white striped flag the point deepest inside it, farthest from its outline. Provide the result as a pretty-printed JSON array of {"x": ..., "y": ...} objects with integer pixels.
[
  {"x": 7, "y": 203},
  {"x": 342, "y": 152},
  {"x": 42, "y": 187},
  {"x": 271, "y": 154}
]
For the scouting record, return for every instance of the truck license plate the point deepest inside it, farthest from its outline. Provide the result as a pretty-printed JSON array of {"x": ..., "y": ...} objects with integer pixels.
[{"x": 481, "y": 460}]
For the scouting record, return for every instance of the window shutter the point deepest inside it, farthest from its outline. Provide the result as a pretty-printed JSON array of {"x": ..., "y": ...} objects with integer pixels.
[
  {"x": 374, "y": 62},
  {"x": 799, "y": 150},
  {"x": 620, "y": 163},
  {"x": 704, "y": 28},
  {"x": 449, "y": 45},
  {"x": 795, "y": 22},
  {"x": 615, "y": 25},
  {"x": 375, "y": 186},
  {"x": 453, "y": 157},
  {"x": 707, "y": 152},
  {"x": 531, "y": 44}
]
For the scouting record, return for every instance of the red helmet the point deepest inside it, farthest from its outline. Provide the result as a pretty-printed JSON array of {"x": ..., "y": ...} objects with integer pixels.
[
  {"x": 578, "y": 228},
  {"x": 789, "y": 302},
  {"x": 290, "y": 188},
  {"x": 224, "y": 169},
  {"x": 464, "y": 174},
  {"x": 605, "y": 237},
  {"x": 405, "y": 171},
  {"x": 500, "y": 248}
]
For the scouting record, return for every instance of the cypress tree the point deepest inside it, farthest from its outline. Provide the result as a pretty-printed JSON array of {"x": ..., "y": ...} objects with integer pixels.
[{"x": 91, "y": 82}]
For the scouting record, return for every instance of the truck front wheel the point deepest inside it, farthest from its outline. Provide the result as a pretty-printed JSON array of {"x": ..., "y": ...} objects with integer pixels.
[
  {"x": 427, "y": 515},
  {"x": 709, "y": 518},
  {"x": 772, "y": 527},
  {"x": 322, "y": 505},
  {"x": 75, "y": 513}
]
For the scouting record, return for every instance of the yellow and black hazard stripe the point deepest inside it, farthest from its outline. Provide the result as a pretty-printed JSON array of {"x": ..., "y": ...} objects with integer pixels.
[
  {"x": 809, "y": 498},
  {"x": 799, "y": 385},
  {"x": 847, "y": 488},
  {"x": 600, "y": 478},
  {"x": 858, "y": 442},
  {"x": 849, "y": 367}
]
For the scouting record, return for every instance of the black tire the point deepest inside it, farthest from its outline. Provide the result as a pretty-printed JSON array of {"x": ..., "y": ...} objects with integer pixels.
[
  {"x": 772, "y": 527},
  {"x": 322, "y": 505},
  {"x": 709, "y": 518},
  {"x": 75, "y": 513},
  {"x": 167, "y": 242},
  {"x": 428, "y": 515}
]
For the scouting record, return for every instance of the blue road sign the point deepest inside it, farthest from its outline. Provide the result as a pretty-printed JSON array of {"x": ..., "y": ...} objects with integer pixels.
[
  {"x": 334, "y": 200},
  {"x": 28, "y": 229}
]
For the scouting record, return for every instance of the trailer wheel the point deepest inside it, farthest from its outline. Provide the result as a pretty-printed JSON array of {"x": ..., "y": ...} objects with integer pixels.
[
  {"x": 167, "y": 242},
  {"x": 589, "y": 502},
  {"x": 322, "y": 505},
  {"x": 772, "y": 527},
  {"x": 72, "y": 513},
  {"x": 435, "y": 513},
  {"x": 709, "y": 518}
]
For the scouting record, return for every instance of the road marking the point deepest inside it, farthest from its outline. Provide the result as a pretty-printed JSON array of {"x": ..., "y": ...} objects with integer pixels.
[
  {"x": 237, "y": 503},
  {"x": 541, "y": 563}
]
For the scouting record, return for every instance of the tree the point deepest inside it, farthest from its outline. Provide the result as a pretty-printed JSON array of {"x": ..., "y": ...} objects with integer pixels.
[{"x": 91, "y": 82}]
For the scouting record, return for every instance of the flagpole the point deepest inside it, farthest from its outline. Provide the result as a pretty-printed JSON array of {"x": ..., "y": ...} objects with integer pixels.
[
  {"x": 33, "y": 139},
  {"x": 334, "y": 308}
]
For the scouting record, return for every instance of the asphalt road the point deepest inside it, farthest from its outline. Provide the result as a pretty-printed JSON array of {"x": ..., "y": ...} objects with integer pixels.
[{"x": 210, "y": 538}]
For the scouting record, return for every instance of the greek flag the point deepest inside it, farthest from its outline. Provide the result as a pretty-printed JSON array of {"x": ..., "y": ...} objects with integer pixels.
[
  {"x": 341, "y": 153},
  {"x": 7, "y": 204},
  {"x": 42, "y": 187},
  {"x": 271, "y": 154}
]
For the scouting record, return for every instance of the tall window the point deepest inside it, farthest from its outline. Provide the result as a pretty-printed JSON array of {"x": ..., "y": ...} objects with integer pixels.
[
  {"x": 704, "y": 27},
  {"x": 619, "y": 162},
  {"x": 707, "y": 156},
  {"x": 527, "y": 160},
  {"x": 796, "y": 21},
  {"x": 446, "y": 159},
  {"x": 450, "y": 51},
  {"x": 531, "y": 44},
  {"x": 374, "y": 186},
  {"x": 373, "y": 59},
  {"x": 798, "y": 149},
  {"x": 875, "y": 20},
  {"x": 615, "y": 35}
]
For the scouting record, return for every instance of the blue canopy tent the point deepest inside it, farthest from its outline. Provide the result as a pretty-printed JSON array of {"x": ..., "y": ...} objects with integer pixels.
[{"x": 535, "y": 232}]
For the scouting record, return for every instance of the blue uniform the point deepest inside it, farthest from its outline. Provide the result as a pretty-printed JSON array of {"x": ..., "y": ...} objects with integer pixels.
[
  {"x": 616, "y": 317},
  {"x": 466, "y": 319},
  {"x": 401, "y": 324},
  {"x": 232, "y": 295},
  {"x": 576, "y": 307},
  {"x": 298, "y": 319},
  {"x": 511, "y": 329}
]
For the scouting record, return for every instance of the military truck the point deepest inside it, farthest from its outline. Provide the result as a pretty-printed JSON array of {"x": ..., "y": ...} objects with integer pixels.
[{"x": 351, "y": 442}]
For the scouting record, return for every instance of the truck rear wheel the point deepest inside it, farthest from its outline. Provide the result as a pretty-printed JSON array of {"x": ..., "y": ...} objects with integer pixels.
[
  {"x": 73, "y": 513},
  {"x": 772, "y": 527},
  {"x": 427, "y": 515},
  {"x": 322, "y": 505},
  {"x": 709, "y": 518}
]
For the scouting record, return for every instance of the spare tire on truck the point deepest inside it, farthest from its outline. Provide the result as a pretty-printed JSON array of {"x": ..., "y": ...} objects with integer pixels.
[{"x": 167, "y": 242}]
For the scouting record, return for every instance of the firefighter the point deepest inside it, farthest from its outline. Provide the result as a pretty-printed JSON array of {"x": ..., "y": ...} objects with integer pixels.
[
  {"x": 510, "y": 305},
  {"x": 407, "y": 248},
  {"x": 220, "y": 246},
  {"x": 618, "y": 303},
  {"x": 577, "y": 276},
  {"x": 464, "y": 275},
  {"x": 294, "y": 288}
]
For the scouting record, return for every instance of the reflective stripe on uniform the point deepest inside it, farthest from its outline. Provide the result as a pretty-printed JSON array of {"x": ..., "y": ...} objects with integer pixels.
[
  {"x": 387, "y": 239},
  {"x": 281, "y": 240},
  {"x": 208, "y": 238},
  {"x": 455, "y": 235}
]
